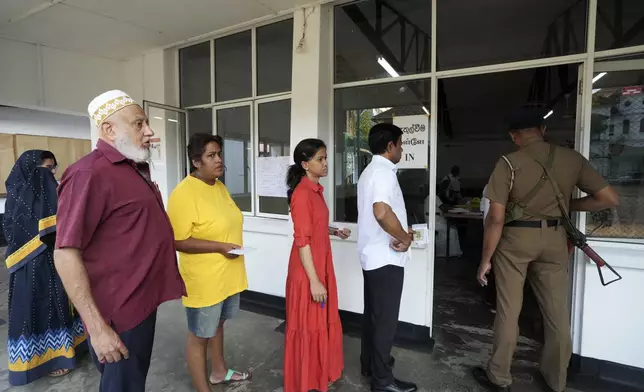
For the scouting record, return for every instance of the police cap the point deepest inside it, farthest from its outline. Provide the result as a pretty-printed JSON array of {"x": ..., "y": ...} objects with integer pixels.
[{"x": 526, "y": 118}]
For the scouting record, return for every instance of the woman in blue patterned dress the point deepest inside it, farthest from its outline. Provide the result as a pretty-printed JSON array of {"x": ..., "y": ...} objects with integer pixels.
[{"x": 45, "y": 334}]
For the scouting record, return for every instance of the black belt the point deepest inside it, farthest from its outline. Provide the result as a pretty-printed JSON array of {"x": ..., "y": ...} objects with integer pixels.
[{"x": 533, "y": 224}]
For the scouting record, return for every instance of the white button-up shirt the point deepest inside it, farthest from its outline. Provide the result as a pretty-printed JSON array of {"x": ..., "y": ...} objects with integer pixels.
[
  {"x": 379, "y": 184},
  {"x": 485, "y": 204}
]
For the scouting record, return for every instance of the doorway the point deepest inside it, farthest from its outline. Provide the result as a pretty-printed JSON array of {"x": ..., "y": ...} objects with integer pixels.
[
  {"x": 472, "y": 137},
  {"x": 168, "y": 163}
]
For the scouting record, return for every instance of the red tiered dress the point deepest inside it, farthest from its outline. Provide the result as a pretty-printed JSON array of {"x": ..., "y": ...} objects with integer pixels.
[{"x": 313, "y": 342}]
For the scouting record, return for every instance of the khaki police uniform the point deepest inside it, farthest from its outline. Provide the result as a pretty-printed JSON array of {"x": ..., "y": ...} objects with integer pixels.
[{"x": 538, "y": 254}]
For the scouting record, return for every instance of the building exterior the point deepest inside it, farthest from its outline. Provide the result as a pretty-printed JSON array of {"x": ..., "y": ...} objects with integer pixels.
[{"x": 331, "y": 69}]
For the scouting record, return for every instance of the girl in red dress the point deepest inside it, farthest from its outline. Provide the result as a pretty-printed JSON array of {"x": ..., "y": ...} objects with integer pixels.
[{"x": 313, "y": 357}]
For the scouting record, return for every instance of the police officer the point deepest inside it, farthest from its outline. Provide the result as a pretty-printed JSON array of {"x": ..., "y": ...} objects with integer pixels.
[{"x": 524, "y": 238}]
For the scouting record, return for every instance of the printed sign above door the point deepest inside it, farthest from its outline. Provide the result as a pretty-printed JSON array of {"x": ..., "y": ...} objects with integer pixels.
[{"x": 415, "y": 141}]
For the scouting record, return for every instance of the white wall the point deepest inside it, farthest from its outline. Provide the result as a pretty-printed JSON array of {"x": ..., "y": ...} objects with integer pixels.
[
  {"x": 20, "y": 75},
  {"x": 611, "y": 318},
  {"x": 39, "y": 76},
  {"x": 152, "y": 76},
  {"x": 40, "y": 123},
  {"x": 267, "y": 268},
  {"x": 59, "y": 82},
  {"x": 71, "y": 80}
]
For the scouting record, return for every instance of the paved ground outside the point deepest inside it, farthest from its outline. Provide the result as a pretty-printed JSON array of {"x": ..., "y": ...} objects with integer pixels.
[{"x": 253, "y": 341}]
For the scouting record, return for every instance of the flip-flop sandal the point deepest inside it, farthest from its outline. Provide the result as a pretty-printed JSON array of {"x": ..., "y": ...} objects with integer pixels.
[
  {"x": 59, "y": 373},
  {"x": 229, "y": 377}
]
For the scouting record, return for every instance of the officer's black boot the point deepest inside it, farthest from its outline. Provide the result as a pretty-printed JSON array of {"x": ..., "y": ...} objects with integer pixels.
[{"x": 481, "y": 377}]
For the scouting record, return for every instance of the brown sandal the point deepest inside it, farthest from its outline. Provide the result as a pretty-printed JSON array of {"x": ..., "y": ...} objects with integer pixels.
[{"x": 59, "y": 373}]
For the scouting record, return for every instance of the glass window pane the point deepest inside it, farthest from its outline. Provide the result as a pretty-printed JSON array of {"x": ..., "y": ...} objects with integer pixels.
[
  {"x": 199, "y": 121},
  {"x": 378, "y": 39},
  {"x": 274, "y": 130},
  {"x": 233, "y": 67},
  {"x": 274, "y": 57},
  {"x": 617, "y": 152},
  {"x": 233, "y": 125},
  {"x": 194, "y": 74},
  {"x": 474, "y": 33},
  {"x": 356, "y": 111},
  {"x": 619, "y": 24}
]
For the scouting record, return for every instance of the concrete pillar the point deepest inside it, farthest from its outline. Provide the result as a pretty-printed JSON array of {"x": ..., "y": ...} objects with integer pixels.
[{"x": 312, "y": 80}]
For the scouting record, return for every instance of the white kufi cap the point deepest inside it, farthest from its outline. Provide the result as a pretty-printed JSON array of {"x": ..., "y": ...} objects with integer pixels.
[{"x": 107, "y": 104}]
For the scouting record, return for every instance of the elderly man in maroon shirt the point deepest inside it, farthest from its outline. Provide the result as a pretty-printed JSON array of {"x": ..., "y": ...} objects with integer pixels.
[{"x": 115, "y": 247}]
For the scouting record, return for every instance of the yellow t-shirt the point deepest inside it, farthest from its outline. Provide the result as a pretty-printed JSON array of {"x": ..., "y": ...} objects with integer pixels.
[{"x": 207, "y": 212}]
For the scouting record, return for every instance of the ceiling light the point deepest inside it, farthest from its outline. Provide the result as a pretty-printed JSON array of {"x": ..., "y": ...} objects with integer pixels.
[
  {"x": 595, "y": 90},
  {"x": 173, "y": 120},
  {"x": 550, "y": 113},
  {"x": 158, "y": 118},
  {"x": 599, "y": 76},
  {"x": 426, "y": 111},
  {"x": 390, "y": 70}
]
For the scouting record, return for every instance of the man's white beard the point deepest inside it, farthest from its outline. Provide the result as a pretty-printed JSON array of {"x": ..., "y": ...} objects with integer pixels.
[{"x": 124, "y": 145}]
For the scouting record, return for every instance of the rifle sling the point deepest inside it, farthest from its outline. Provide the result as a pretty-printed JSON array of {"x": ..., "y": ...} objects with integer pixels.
[{"x": 555, "y": 186}]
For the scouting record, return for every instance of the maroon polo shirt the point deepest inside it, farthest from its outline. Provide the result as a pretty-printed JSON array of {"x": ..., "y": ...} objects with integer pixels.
[{"x": 114, "y": 215}]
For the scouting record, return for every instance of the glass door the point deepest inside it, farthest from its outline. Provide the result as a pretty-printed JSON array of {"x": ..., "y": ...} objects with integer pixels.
[{"x": 168, "y": 164}]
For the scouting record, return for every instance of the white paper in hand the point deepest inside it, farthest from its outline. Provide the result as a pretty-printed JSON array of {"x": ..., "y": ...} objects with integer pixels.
[{"x": 240, "y": 251}]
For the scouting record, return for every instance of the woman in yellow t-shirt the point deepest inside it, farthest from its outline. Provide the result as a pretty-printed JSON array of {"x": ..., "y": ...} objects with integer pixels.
[{"x": 207, "y": 226}]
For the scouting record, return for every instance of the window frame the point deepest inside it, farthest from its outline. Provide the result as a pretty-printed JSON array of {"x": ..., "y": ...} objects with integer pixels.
[
  {"x": 626, "y": 126},
  {"x": 251, "y": 101},
  {"x": 250, "y": 106},
  {"x": 588, "y": 59},
  {"x": 599, "y": 65},
  {"x": 255, "y": 150}
]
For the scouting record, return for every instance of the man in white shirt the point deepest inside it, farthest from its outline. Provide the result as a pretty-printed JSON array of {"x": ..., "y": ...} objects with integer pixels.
[
  {"x": 485, "y": 204},
  {"x": 490, "y": 289},
  {"x": 383, "y": 247},
  {"x": 451, "y": 185}
]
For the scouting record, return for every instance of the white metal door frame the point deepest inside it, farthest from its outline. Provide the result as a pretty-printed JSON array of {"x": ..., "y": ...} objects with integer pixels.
[{"x": 182, "y": 142}]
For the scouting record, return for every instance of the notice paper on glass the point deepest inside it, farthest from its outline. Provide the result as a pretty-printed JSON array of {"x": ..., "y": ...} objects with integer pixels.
[
  {"x": 271, "y": 176},
  {"x": 240, "y": 251}
]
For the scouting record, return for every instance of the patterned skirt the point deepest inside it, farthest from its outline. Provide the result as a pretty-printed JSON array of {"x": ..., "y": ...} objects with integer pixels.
[{"x": 45, "y": 334}]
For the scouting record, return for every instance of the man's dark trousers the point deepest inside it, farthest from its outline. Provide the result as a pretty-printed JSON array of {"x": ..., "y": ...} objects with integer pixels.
[
  {"x": 128, "y": 375},
  {"x": 382, "y": 291}
]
